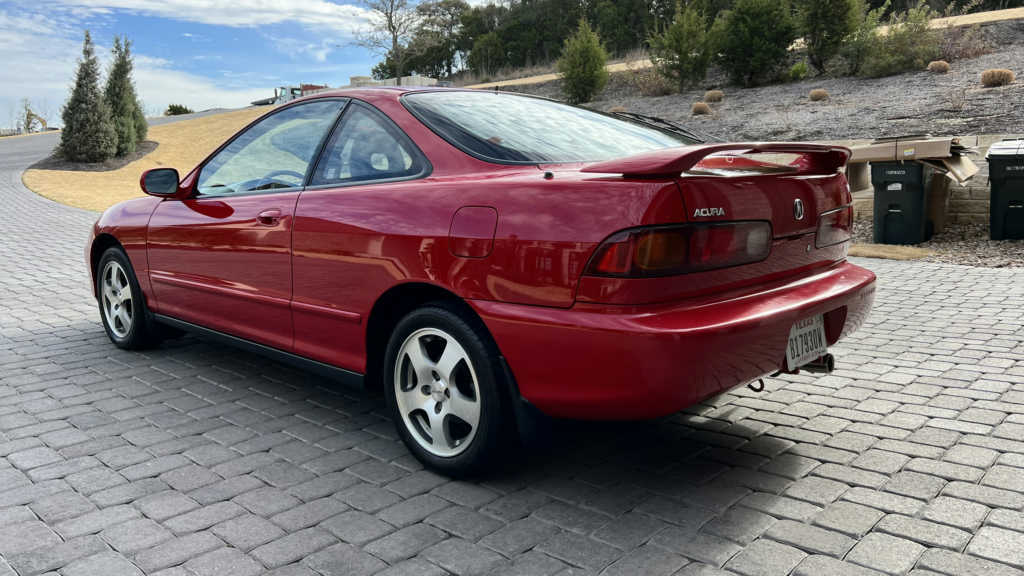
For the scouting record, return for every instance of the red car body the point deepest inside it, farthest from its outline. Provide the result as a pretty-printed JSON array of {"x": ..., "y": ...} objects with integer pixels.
[{"x": 314, "y": 272}]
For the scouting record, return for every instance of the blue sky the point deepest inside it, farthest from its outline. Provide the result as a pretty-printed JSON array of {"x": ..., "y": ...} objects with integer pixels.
[{"x": 201, "y": 53}]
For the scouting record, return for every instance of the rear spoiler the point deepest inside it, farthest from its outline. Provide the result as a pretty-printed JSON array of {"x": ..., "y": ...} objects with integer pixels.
[{"x": 813, "y": 159}]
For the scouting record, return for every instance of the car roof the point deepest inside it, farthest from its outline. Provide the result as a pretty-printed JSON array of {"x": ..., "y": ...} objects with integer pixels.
[{"x": 376, "y": 93}]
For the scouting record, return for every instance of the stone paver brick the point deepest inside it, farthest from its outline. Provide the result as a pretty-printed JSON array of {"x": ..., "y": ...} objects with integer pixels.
[
  {"x": 247, "y": 532},
  {"x": 886, "y": 553},
  {"x": 998, "y": 544},
  {"x": 356, "y": 527},
  {"x": 224, "y": 562},
  {"x": 811, "y": 539},
  {"x": 135, "y": 535},
  {"x": 465, "y": 558},
  {"x": 106, "y": 563},
  {"x": 765, "y": 558},
  {"x": 405, "y": 543},
  {"x": 344, "y": 559},
  {"x": 49, "y": 558},
  {"x": 292, "y": 547}
]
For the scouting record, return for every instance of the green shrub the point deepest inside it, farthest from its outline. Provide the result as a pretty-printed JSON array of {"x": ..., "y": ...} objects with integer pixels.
[
  {"x": 88, "y": 134},
  {"x": 798, "y": 72},
  {"x": 582, "y": 65},
  {"x": 681, "y": 53},
  {"x": 909, "y": 44},
  {"x": 753, "y": 39},
  {"x": 177, "y": 110},
  {"x": 862, "y": 40},
  {"x": 825, "y": 24}
]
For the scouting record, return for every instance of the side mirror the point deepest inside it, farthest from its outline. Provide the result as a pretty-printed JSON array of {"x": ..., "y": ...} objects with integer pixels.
[{"x": 161, "y": 182}]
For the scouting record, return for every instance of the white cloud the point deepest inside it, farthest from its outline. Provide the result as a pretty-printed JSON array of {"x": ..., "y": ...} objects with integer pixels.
[
  {"x": 40, "y": 55},
  {"x": 345, "y": 18}
]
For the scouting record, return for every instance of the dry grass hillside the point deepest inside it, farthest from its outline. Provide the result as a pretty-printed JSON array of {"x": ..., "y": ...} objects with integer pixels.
[{"x": 180, "y": 145}]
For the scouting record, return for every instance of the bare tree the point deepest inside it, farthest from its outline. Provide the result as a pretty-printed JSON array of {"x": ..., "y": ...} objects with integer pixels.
[{"x": 391, "y": 30}]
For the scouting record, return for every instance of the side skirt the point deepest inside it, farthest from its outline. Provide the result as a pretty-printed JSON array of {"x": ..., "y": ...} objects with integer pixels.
[{"x": 346, "y": 377}]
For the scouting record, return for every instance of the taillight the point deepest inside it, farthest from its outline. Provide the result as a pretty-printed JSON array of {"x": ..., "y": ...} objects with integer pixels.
[
  {"x": 668, "y": 250},
  {"x": 834, "y": 227}
]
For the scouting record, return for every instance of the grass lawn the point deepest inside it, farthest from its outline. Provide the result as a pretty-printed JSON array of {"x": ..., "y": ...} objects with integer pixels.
[{"x": 181, "y": 145}]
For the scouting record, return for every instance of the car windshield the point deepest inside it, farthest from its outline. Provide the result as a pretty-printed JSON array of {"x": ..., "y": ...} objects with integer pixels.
[{"x": 510, "y": 128}]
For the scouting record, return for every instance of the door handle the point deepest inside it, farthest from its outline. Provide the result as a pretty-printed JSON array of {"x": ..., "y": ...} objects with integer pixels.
[{"x": 269, "y": 217}]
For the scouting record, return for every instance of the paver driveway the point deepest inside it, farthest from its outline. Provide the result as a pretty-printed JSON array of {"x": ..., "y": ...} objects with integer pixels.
[{"x": 199, "y": 459}]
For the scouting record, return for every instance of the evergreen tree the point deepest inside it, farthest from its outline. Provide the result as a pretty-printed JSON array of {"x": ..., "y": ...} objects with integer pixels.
[
  {"x": 88, "y": 134},
  {"x": 129, "y": 120},
  {"x": 825, "y": 25},
  {"x": 582, "y": 65},
  {"x": 681, "y": 52},
  {"x": 753, "y": 39}
]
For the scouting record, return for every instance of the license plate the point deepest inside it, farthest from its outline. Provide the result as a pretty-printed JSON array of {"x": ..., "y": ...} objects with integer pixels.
[{"x": 806, "y": 342}]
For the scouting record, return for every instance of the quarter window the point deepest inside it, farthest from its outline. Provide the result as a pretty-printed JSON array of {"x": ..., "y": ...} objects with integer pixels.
[
  {"x": 367, "y": 146},
  {"x": 273, "y": 154}
]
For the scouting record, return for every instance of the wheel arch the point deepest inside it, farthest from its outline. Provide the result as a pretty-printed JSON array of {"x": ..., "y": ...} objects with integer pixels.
[
  {"x": 103, "y": 242},
  {"x": 392, "y": 306}
]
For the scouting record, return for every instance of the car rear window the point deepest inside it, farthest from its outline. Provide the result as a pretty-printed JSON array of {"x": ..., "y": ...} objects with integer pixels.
[{"x": 509, "y": 128}]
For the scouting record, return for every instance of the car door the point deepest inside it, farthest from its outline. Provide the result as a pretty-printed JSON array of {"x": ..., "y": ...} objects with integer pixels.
[
  {"x": 222, "y": 259},
  {"x": 361, "y": 182}
]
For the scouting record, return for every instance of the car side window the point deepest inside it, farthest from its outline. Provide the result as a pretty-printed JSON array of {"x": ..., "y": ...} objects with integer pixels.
[
  {"x": 273, "y": 154},
  {"x": 367, "y": 146}
]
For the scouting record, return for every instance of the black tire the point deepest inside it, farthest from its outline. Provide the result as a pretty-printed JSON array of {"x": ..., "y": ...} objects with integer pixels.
[
  {"x": 496, "y": 426},
  {"x": 143, "y": 332}
]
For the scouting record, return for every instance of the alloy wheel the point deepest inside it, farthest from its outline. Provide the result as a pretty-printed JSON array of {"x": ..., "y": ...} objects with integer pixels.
[
  {"x": 117, "y": 299},
  {"x": 437, "y": 392}
]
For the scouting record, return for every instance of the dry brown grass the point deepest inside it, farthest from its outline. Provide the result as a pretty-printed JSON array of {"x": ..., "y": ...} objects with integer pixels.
[
  {"x": 700, "y": 109},
  {"x": 182, "y": 145},
  {"x": 818, "y": 95},
  {"x": 889, "y": 251},
  {"x": 617, "y": 109},
  {"x": 714, "y": 96},
  {"x": 938, "y": 67},
  {"x": 997, "y": 77}
]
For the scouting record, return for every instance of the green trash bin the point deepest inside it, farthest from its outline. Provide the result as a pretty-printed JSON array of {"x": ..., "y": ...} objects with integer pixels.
[
  {"x": 1006, "y": 199},
  {"x": 901, "y": 202}
]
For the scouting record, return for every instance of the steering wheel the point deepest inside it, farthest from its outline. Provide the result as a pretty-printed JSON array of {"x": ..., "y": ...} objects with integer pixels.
[
  {"x": 271, "y": 175},
  {"x": 268, "y": 181}
]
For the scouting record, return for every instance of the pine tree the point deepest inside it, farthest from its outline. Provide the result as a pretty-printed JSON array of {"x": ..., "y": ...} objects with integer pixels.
[
  {"x": 825, "y": 25},
  {"x": 129, "y": 121},
  {"x": 681, "y": 53},
  {"x": 88, "y": 134},
  {"x": 582, "y": 65}
]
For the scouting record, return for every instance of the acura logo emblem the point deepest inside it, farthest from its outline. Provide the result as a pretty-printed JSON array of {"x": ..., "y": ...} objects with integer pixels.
[{"x": 798, "y": 209}]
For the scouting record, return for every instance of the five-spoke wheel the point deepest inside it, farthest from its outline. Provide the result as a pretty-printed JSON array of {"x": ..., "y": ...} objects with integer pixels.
[
  {"x": 436, "y": 391},
  {"x": 116, "y": 299},
  {"x": 445, "y": 389},
  {"x": 122, "y": 305}
]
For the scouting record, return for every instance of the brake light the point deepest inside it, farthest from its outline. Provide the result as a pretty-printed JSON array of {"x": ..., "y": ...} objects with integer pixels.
[
  {"x": 834, "y": 227},
  {"x": 670, "y": 250}
]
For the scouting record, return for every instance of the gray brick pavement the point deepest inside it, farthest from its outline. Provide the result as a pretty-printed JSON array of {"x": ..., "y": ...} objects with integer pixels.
[{"x": 199, "y": 459}]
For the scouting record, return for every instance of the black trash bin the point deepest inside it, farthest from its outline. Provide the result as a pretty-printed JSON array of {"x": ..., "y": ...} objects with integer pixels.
[
  {"x": 1006, "y": 200},
  {"x": 901, "y": 202}
]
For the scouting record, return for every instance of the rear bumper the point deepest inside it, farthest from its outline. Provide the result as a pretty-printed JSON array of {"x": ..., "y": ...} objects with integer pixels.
[{"x": 615, "y": 362}]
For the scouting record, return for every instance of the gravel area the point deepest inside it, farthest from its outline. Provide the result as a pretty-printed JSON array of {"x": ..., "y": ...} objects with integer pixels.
[
  {"x": 966, "y": 244},
  {"x": 914, "y": 103}
]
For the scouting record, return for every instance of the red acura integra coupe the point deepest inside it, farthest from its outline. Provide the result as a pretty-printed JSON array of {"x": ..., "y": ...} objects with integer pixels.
[{"x": 481, "y": 256}]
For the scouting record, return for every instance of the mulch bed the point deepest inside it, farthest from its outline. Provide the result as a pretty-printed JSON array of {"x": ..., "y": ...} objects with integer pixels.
[{"x": 55, "y": 162}]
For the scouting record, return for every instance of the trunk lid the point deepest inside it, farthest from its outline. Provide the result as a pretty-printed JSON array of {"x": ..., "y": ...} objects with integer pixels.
[{"x": 788, "y": 185}]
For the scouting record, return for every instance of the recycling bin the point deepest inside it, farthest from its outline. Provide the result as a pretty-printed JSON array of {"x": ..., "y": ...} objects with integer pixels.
[
  {"x": 901, "y": 202},
  {"x": 1006, "y": 196}
]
